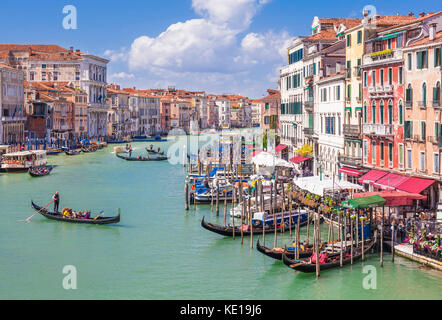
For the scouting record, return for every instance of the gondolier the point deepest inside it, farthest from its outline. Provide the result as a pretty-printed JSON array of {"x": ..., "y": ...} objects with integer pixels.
[{"x": 56, "y": 198}]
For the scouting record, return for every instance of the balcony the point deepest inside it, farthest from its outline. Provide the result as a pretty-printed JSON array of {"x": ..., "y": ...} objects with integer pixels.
[
  {"x": 436, "y": 104},
  {"x": 357, "y": 72},
  {"x": 422, "y": 104},
  {"x": 372, "y": 90},
  {"x": 13, "y": 119},
  {"x": 418, "y": 138},
  {"x": 308, "y": 106},
  {"x": 351, "y": 161},
  {"x": 379, "y": 130},
  {"x": 381, "y": 57},
  {"x": 308, "y": 131},
  {"x": 352, "y": 130},
  {"x": 408, "y": 104}
]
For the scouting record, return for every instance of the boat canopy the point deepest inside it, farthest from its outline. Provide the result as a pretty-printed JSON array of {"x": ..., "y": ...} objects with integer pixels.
[
  {"x": 393, "y": 198},
  {"x": 364, "y": 202},
  {"x": 319, "y": 186}
]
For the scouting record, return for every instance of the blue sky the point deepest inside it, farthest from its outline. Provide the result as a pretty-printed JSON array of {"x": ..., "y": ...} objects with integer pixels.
[{"x": 221, "y": 46}]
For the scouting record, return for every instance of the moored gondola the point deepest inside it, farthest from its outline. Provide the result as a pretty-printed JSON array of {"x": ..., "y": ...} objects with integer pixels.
[
  {"x": 227, "y": 231},
  {"x": 40, "y": 171},
  {"x": 88, "y": 149},
  {"x": 59, "y": 217},
  {"x": 155, "y": 152},
  {"x": 305, "y": 251},
  {"x": 141, "y": 158},
  {"x": 72, "y": 152},
  {"x": 333, "y": 260}
]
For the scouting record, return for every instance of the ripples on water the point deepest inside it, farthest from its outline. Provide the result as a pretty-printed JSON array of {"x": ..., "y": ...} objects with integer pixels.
[{"x": 158, "y": 251}]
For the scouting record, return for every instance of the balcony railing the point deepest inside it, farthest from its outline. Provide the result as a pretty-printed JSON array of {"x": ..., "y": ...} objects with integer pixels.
[
  {"x": 353, "y": 130},
  {"x": 381, "y": 130},
  {"x": 10, "y": 119},
  {"x": 350, "y": 161},
  {"x": 436, "y": 104},
  {"x": 422, "y": 104},
  {"x": 308, "y": 131},
  {"x": 408, "y": 104}
]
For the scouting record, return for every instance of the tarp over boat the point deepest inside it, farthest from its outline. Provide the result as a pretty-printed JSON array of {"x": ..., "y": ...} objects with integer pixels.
[{"x": 364, "y": 202}]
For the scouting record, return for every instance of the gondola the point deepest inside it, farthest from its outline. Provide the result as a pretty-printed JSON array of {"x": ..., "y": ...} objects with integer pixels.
[
  {"x": 53, "y": 152},
  {"x": 59, "y": 217},
  {"x": 228, "y": 230},
  {"x": 72, "y": 152},
  {"x": 289, "y": 253},
  {"x": 141, "y": 158},
  {"x": 155, "y": 152},
  {"x": 88, "y": 150},
  {"x": 308, "y": 267},
  {"x": 34, "y": 172}
]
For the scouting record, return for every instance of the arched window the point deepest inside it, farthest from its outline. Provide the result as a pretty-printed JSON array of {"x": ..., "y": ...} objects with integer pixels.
[
  {"x": 401, "y": 115},
  {"x": 409, "y": 96},
  {"x": 382, "y": 111},
  {"x": 424, "y": 94},
  {"x": 436, "y": 95},
  {"x": 373, "y": 111},
  {"x": 365, "y": 111},
  {"x": 390, "y": 112}
]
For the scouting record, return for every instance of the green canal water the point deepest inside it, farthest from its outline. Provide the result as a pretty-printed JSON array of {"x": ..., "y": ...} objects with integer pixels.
[{"x": 158, "y": 250}]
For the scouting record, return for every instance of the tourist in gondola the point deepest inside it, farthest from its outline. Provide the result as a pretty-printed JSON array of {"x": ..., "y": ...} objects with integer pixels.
[{"x": 56, "y": 199}]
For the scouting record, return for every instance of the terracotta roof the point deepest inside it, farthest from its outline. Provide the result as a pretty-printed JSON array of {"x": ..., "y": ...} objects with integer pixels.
[
  {"x": 426, "y": 40},
  {"x": 328, "y": 34},
  {"x": 394, "y": 20},
  {"x": 349, "y": 23}
]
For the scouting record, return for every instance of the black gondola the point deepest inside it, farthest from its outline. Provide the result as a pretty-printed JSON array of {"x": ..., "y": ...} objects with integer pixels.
[
  {"x": 88, "y": 150},
  {"x": 72, "y": 152},
  {"x": 141, "y": 158},
  {"x": 228, "y": 230},
  {"x": 155, "y": 152},
  {"x": 309, "y": 267},
  {"x": 59, "y": 217},
  {"x": 37, "y": 171},
  {"x": 289, "y": 253}
]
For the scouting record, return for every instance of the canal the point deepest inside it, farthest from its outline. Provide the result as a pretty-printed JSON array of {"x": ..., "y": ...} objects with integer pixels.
[{"x": 158, "y": 250}]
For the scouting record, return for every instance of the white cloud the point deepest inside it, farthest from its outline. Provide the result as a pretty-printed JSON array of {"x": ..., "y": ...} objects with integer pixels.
[
  {"x": 122, "y": 75},
  {"x": 209, "y": 52}
]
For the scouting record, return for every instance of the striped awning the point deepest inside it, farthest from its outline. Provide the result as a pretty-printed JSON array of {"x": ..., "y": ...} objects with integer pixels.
[{"x": 350, "y": 172}]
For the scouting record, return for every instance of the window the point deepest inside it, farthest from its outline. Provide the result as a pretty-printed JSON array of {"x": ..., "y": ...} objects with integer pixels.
[
  {"x": 365, "y": 112},
  {"x": 423, "y": 130},
  {"x": 409, "y": 159},
  {"x": 422, "y": 160},
  {"x": 359, "y": 36},
  {"x": 408, "y": 129},
  {"x": 390, "y": 76},
  {"x": 373, "y": 152},
  {"x": 373, "y": 77},
  {"x": 401, "y": 115},
  {"x": 389, "y": 43},
  {"x": 436, "y": 93},
  {"x": 43, "y": 76},
  {"x": 437, "y": 57},
  {"x": 410, "y": 62},
  {"x": 422, "y": 60},
  {"x": 359, "y": 65},
  {"x": 401, "y": 155},
  {"x": 267, "y": 106},
  {"x": 381, "y": 152},
  {"x": 390, "y": 153},
  {"x": 365, "y": 79},
  {"x": 348, "y": 92},
  {"x": 348, "y": 69},
  {"x": 401, "y": 75},
  {"x": 424, "y": 93},
  {"x": 382, "y": 112},
  {"x": 390, "y": 112},
  {"x": 55, "y": 76},
  {"x": 349, "y": 40},
  {"x": 31, "y": 76},
  {"x": 373, "y": 111},
  {"x": 437, "y": 130},
  {"x": 409, "y": 94},
  {"x": 436, "y": 162},
  {"x": 365, "y": 150},
  {"x": 382, "y": 77}
]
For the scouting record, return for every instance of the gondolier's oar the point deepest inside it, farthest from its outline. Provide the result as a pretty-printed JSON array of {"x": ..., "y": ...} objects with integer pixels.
[
  {"x": 28, "y": 219},
  {"x": 96, "y": 217}
]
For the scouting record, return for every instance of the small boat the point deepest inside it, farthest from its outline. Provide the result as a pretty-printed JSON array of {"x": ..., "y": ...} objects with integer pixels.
[
  {"x": 305, "y": 265},
  {"x": 141, "y": 158},
  {"x": 88, "y": 149},
  {"x": 59, "y": 217},
  {"x": 53, "y": 152},
  {"x": 227, "y": 231},
  {"x": 307, "y": 251},
  {"x": 40, "y": 171},
  {"x": 72, "y": 152},
  {"x": 155, "y": 152}
]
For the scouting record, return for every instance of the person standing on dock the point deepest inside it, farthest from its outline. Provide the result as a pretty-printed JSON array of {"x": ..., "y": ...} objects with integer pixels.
[{"x": 56, "y": 198}]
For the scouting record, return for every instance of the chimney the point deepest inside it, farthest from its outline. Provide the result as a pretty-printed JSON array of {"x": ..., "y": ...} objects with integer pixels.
[
  {"x": 77, "y": 51},
  {"x": 422, "y": 14},
  {"x": 411, "y": 14},
  {"x": 71, "y": 49},
  {"x": 432, "y": 31}
]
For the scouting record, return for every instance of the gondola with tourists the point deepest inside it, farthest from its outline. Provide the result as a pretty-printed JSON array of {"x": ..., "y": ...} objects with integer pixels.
[
  {"x": 141, "y": 158},
  {"x": 84, "y": 220},
  {"x": 305, "y": 250},
  {"x": 326, "y": 261},
  {"x": 161, "y": 153},
  {"x": 40, "y": 171}
]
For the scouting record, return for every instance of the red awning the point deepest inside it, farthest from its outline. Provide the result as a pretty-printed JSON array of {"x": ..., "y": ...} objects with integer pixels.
[
  {"x": 415, "y": 185},
  {"x": 299, "y": 159},
  {"x": 350, "y": 172},
  {"x": 280, "y": 147},
  {"x": 371, "y": 176},
  {"x": 393, "y": 198},
  {"x": 390, "y": 181}
]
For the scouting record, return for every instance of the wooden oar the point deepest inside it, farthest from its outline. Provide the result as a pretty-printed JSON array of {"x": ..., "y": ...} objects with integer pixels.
[
  {"x": 28, "y": 219},
  {"x": 96, "y": 217}
]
